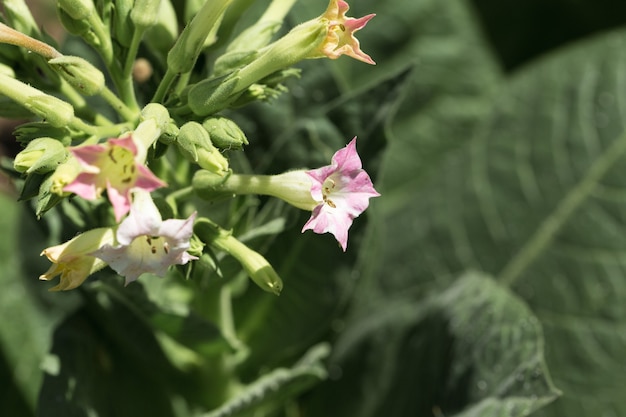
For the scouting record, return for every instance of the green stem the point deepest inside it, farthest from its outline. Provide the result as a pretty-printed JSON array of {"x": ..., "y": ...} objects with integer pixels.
[
  {"x": 99, "y": 131},
  {"x": 548, "y": 230},
  {"x": 105, "y": 48},
  {"x": 131, "y": 54},
  {"x": 81, "y": 107},
  {"x": 164, "y": 86},
  {"x": 120, "y": 107},
  {"x": 174, "y": 197}
]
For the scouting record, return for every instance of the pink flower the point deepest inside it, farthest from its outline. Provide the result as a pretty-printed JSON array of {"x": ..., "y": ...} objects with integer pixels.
[
  {"x": 112, "y": 166},
  {"x": 340, "y": 39},
  {"x": 146, "y": 243},
  {"x": 343, "y": 190}
]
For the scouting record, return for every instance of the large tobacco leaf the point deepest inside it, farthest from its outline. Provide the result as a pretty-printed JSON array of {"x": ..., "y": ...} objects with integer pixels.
[{"x": 535, "y": 197}]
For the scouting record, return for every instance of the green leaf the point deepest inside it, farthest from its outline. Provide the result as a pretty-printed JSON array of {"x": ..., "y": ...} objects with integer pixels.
[
  {"x": 109, "y": 363},
  {"x": 535, "y": 198},
  {"x": 28, "y": 322},
  {"x": 472, "y": 349}
]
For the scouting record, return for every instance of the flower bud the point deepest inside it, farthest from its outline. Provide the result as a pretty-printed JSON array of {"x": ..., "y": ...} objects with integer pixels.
[
  {"x": 255, "y": 265},
  {"x": 56, "y": 111},
  {"x": 79, "y": 73},
  {"x": 195, "y": 143},
  {"x": 224, "y": 133},
  {"x": 40, "y": 155},
  {"x": 157, "y": 112},
  {"x": 212, "y": 95},
  {"x": 144, "y": 13},
  {"x": 77, "y": 9},
  {"x": 76, "y": 27}
]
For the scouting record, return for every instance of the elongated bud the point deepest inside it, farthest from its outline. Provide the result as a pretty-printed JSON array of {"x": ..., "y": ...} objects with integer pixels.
[
  {"x": 212, "y": 95},
  {"x": 224, "y": 133},
  {"x": 255, "y": 265},
  {"x": 56, "y": 111},
  {"x": 144, "y": 13},
  {"x": 195, "y": 143},
  {"x": 79, "y": 73},
  {"x": 40, "y": 155}
]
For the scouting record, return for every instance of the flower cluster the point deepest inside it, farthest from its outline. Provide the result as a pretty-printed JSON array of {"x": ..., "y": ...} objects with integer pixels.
[{"x": 153, "y": 161}]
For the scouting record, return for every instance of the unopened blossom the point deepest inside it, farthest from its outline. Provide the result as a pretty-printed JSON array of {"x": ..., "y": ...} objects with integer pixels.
[
  {"x": 113, "y": 167},
  {"x": 147, "y": 244},
  {"x": 340, "y": 39},
  {"x": 342, "y": 190},
  {"x": 73, "y": 259}
]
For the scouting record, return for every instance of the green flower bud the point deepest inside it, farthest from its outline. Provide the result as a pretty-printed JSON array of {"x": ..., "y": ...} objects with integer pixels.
[
  {"x": 158, "y": 113},
  {"x": 144, "y": 13},
  {"x": 56, "y": 111},
  {"x": 79, "y": 73},
  {"x": 255, "y": 265},
  {"x": 195, "y": 144},
  {"x": 224, "y": 133},
  {"x": 40, "y": 155},
  {"x": 77, "y": 9},
  {"x": 212, "y": 95},
  {"x": 76, "y": 27}
]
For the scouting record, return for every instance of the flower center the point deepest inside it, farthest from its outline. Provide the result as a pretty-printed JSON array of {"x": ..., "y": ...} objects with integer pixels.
[
  {"x": 327, "y": 188},
  {"x": 148, "y": 248},
  {"x": 119, "y": 167}
]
